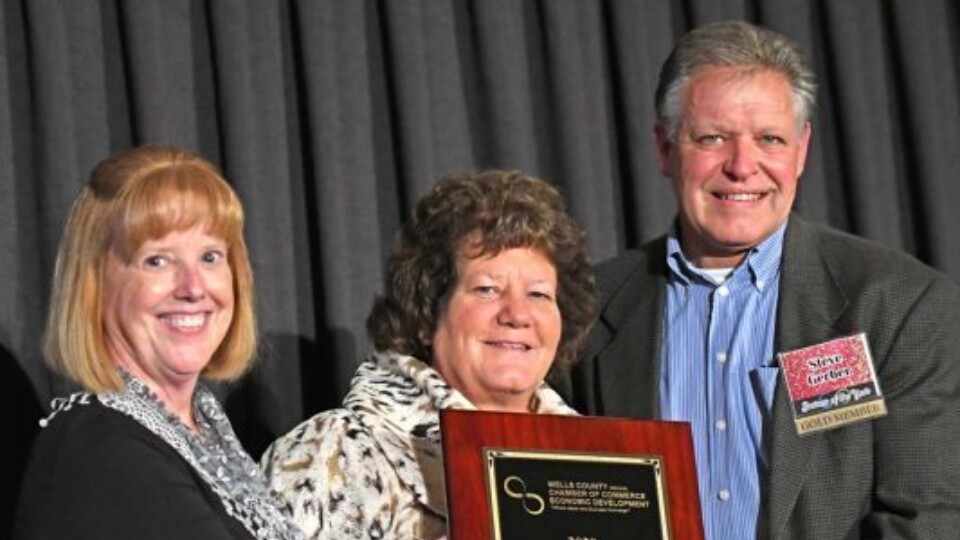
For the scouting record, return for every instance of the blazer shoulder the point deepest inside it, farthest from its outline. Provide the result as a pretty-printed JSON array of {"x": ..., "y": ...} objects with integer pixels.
[
  {"x": 629, "y": 268},
  {"x": 858, "y": 261}
]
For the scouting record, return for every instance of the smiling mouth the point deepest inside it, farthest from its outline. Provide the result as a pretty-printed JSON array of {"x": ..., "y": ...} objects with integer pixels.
[
  {"x": 739, "y": 197},
  {"x": 512, "y": 345},
  {"x": 185, "y": 322}
]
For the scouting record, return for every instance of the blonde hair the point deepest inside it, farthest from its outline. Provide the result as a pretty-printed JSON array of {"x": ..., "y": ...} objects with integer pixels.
[{"x": 131, "y": 197}]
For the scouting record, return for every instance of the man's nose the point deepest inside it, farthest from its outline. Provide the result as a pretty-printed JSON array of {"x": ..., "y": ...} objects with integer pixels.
[{"x": 741, "y": 160}]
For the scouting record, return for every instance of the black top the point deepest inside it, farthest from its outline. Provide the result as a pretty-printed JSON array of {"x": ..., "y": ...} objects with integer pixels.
[{"x": 95, "y": 473}]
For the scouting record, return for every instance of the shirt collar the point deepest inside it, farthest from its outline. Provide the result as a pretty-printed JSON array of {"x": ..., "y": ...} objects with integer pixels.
[{"x": 763, "y": 261}]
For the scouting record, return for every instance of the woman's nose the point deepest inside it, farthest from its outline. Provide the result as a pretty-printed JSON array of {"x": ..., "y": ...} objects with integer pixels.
[
  {"x": 190, "y": 284},
  {"x": 515, "y": 311}
]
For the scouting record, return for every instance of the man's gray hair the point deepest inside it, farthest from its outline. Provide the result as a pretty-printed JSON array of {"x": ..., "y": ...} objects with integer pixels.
[{"x": 733, "y": 44}]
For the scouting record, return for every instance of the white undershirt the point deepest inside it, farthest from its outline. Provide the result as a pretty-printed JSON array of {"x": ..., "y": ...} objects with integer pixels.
[{"x": 716, "y": 275}]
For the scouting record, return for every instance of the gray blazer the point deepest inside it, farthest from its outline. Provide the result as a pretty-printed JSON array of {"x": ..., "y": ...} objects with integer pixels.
[{"x": 893, "y": 477}]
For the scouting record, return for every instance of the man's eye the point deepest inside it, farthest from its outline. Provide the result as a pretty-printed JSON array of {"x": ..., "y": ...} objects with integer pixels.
[
  {"x": 710, "y": 139},
  {"x": 772, "y": 139}
]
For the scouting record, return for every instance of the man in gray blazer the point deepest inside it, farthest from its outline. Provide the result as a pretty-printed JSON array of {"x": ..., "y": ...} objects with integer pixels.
[{"x": 691, "y": 324}]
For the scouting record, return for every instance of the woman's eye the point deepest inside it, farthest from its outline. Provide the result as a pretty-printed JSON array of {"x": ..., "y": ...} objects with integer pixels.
[
  {"x": 543, "y": 295},
  {"x": 155, "y": 261},
  {"x": 212, "y": 257},
  {"x": 485, "y": 290}
]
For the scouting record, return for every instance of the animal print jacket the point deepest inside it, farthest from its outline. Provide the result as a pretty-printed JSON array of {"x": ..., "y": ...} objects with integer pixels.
[{"x": 373, "y": 469}]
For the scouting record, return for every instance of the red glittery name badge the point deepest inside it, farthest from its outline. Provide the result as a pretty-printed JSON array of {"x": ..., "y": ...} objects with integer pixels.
[{"x": 832, "y": 384}]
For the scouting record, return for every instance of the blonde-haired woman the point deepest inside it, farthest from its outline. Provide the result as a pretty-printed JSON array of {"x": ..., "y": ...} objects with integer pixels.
[{"x": 152, "y": 290}]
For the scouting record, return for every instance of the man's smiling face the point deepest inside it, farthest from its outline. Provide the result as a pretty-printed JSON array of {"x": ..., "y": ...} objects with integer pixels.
[{"x": 735, "y": 161}]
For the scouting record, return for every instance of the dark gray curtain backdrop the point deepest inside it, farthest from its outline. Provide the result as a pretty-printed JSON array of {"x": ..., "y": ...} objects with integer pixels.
[{"x": 330, "y": 117}]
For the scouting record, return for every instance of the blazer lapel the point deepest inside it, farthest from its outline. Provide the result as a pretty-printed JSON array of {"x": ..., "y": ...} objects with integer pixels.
[
  {"x": 634, "y": 319},
  {"x": 811, "y": 300}
]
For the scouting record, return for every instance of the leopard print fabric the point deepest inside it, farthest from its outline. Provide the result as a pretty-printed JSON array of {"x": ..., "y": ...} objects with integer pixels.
[{"x": 373, "y": 469}]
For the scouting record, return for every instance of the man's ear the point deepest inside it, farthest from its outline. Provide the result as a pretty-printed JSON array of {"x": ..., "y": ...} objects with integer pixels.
[
  {"x": 664, "y": 147},
  {"x": 803, "y": 145}
]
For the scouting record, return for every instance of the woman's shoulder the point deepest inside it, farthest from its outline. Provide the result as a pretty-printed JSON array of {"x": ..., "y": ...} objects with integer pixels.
[
  {"x": 330, "y": 465},
  {"x": 313, "y": 440},
  {"x": 79, "y": 422},
  {"x": 95, "y": 464},
  {"x": 91, "y": 450},
  {"x": 84, "y": 439}
]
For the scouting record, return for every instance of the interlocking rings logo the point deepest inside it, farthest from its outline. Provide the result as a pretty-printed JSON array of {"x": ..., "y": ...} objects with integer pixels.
[{"x": 516, "y": 488}]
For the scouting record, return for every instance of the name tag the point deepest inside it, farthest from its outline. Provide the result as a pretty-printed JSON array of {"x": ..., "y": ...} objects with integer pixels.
[{"x": 832, "y": 384}]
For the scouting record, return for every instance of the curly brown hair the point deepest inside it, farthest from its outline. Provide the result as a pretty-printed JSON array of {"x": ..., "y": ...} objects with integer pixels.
[{"x": 493, "y": 211}]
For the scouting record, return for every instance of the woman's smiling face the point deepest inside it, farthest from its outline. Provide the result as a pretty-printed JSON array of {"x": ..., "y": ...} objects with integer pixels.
[
  {"x": 498, "y": 333},
  {"x": 168, "y": 308}
]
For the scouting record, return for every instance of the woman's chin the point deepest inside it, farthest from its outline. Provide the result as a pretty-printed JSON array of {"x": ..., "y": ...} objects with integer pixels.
[
  {"x": 515, "y": 396},
  {"x": 516, "y": 384}
]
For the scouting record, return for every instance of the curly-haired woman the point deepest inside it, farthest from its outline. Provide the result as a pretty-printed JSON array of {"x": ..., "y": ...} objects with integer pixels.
[{"x": 489, "y": 289}]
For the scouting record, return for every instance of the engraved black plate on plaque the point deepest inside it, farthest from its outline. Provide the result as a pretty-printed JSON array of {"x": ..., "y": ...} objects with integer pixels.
[
  {"x": 537, "y": 495},
  {"x": 516, "y": 476}
]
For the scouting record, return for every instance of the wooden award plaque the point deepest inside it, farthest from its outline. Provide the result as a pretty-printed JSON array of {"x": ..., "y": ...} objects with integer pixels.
[{"x": 512, "y": 476}]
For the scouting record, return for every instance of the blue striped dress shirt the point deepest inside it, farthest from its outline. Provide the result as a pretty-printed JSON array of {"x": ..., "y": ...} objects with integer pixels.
[{"x": 719, "y": 374}]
